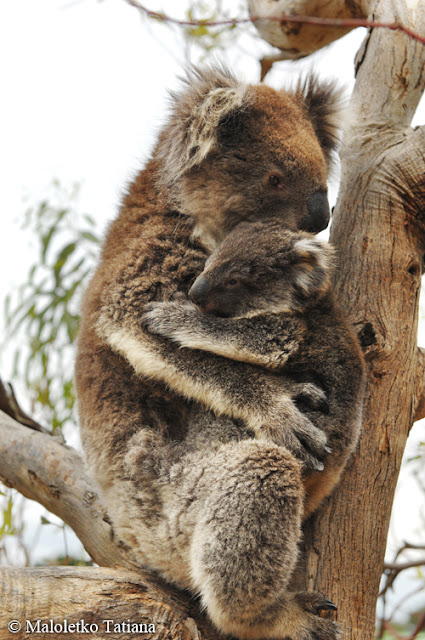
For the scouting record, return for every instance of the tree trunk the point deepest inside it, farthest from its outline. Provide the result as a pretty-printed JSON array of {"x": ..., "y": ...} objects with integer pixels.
[{"x": 378, "y": 229}]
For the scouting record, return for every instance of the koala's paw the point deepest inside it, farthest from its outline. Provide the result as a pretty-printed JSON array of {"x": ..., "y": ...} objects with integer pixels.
[
  {"x": 167, "y": 318},
  {"x": 293, "y": 429},
  {"x": 311, "y": 396},
  {"x": 315, "y": 627}
]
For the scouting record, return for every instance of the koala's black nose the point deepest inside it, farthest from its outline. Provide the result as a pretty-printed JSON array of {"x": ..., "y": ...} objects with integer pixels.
[
  {"x": 318, "y": 215},
  {"x": 199, "y": 291}
]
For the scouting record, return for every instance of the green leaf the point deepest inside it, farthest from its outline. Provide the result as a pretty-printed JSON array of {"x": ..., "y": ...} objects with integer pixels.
[
  {"x": 198, "y": 32},
  {"x": 63, "y": 256},
  {"x": 43, "y": 313},
  {"x": 45, "y": 243},
  {"x": 89, "y": 219},
  {"x": 88, "y": 235}
]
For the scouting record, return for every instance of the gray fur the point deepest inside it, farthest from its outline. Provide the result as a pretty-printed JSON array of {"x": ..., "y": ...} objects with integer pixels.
[
  {"x": 184, "y": 442},
  {"x": 309, "y": 340},
  {"x": 207, "y": 97}
]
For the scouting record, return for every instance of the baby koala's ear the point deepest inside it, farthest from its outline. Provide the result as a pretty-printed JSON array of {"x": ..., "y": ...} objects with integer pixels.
[{"x": 313, "y": 260}]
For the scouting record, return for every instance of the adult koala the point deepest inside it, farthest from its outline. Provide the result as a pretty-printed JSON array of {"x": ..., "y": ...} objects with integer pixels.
[{"x": 230, "y": 152}]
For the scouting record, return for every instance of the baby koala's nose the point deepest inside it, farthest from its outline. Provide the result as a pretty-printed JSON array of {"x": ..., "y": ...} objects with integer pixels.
[{"x": 198, "y": 292}]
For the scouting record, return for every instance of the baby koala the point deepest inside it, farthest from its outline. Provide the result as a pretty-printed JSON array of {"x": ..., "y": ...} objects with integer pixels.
[{"x": 265, "y": 297}]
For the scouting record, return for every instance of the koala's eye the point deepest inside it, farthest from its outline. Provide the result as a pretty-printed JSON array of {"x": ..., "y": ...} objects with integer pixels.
[
  {"x": 232, "y": 282},
  {"x": 275, "y": 180}
]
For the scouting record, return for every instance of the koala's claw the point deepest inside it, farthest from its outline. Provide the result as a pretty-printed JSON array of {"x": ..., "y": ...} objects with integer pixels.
[
  {"x": 297, "y": 433},
  {"x": 326, "y": 605},
  {"x": 318, "y": 466},
  {"x": 314, "y": 602},
  {"x": 316, "y": 627},
  {"x": 311, "y": 396},
  {"x": 308, "y": 450}
]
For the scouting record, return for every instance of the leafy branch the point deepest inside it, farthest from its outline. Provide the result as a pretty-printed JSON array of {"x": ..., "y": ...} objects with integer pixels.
[
  {"x": 341, "y": 23},
  {"x": 44, "y": 312}
]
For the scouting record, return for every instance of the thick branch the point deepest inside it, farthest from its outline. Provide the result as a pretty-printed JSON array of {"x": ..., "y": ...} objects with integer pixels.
[
  {"x": 299, "y": 40},
  {"x": 90, "y": 596},
  {"x": 40, "y": 468}
]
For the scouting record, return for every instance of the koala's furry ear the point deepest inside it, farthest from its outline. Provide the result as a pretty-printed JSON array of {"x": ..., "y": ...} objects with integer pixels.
[
  {"x": 314, "y": 260},
  {"x": 325, "y": 105},
  {"x": 209, "y": 96}
]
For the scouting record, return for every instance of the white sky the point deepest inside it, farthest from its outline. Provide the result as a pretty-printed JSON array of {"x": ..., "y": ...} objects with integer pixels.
[{"x": 83, "y": 88}]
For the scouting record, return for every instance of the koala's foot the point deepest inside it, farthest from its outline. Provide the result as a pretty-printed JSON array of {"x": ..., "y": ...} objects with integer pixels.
[
  {"x": 168, "y": 318},
  {"x": 298, "y": 619},
  {"x": 289, "y": 617},
  {"x": 245, "y": 543},
  {"x": 315, "y": 627},
  {"x": 314, "y": 602}
]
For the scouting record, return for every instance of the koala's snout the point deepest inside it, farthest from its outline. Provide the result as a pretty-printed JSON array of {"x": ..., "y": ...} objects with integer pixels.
[
  {"x": 198, "y": 292},
  {"x": 319, "y": 213}
]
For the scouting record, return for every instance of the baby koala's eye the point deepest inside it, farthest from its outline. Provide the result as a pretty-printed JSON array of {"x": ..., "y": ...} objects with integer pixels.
[{"x": 275, "y": 180}]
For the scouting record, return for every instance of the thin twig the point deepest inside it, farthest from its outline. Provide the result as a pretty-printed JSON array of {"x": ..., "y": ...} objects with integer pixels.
[
  {"x": 9, "y": 404},
  {"x": 419, "y": 627},
  {"x": 388, "y": 627},
  {"x": 405, "y": 598},
  {"x": 394, "y": 567},
  {"x": 340, "y": 23}
]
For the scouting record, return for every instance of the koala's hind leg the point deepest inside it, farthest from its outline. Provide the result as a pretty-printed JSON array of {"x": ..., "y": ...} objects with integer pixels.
[{"x": 245, "y": 546}]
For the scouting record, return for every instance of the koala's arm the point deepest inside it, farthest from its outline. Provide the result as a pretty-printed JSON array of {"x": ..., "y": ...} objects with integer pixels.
[
  {"x": 154, "y": 266},
  {"x": 264, "y": 401},
  {"x": 267, "y": 340}
]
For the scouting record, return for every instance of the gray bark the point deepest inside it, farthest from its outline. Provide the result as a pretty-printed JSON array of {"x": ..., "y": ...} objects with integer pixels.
[{"x": 378, "y": 229}]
